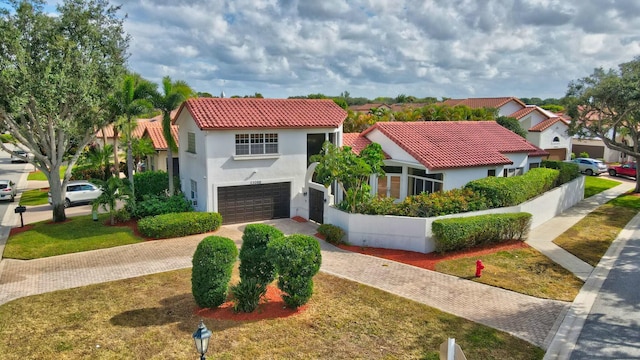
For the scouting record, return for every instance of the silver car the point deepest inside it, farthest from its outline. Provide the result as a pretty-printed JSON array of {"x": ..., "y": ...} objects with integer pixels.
[
  {"x": 80, "y": 192},
  {"x": 590, "y": 166},
  {"x": 8, "y": 190}
]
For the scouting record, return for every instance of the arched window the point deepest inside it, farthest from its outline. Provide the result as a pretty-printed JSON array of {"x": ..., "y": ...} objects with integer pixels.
[{"x": 556, "y": 139}]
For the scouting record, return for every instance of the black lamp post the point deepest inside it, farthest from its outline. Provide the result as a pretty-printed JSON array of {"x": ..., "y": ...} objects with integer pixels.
[{"x": 201, "y": 338}]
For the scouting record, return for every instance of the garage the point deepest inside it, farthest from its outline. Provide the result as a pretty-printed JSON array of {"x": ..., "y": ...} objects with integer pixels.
[
  {"x": 254, "y": 202},
  {"x": 557, "y": 154},
  {"x": 595, "y": 152}
]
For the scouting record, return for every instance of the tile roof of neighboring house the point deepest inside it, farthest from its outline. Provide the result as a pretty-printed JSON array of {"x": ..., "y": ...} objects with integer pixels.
[
  {"x": 476, "y": 103},
  {"x": 355, "y": 141},
  {"x": 453, "y": 144},
  {"x": 522, "y": 112},
  {"x": 547, "y": 124},
  {"x": 139, "y": 130},
  {"x": 155, "y": 133},
  {"x": 252, "y": 113},
  {"x": 366, "y": 107}
]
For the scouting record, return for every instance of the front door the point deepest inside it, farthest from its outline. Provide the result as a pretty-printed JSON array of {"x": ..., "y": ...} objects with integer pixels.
[{"x": 316, "y": 206}]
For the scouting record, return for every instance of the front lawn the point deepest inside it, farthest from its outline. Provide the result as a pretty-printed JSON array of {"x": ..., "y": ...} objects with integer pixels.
[
  {"x": 39, "y": 175},
  {"x": 590, "y": 238},
  {"x": 594, "y": 185},
  {"x": 34, "y": 197},
  {"x": 526, "y": 271},
  {"x": 152, "y": 317},
  {"x": 77, "y": 234}
]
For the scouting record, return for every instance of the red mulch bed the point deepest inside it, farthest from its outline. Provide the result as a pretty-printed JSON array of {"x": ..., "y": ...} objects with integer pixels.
[
  {"x": 272, "y": 306},
  {"x": 18, "y": 230},
  {"x": 429, "y": 261}
]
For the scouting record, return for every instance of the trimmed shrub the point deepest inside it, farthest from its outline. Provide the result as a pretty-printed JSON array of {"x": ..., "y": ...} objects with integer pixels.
[
  {"x": 378, "y": 206},
  {"x": 510, "y": 191},
  {"x": 568, "y": 170},
  {"x": 179, "y": 224},
  {"x": 88, "y": 173},
  {"x": 247, "y": 294},
  {"x": 453, "y": 201},
  {"x": 212, "y": 266},
  {"x": 297, "y": 258},
  {"x": 332, "y": 234},
  {"x": 467, "y": 232},
  {"x": 152, "y": 205},
  {"x": 254, "y": 261},
  {"x": 152, "y": 183},
  {"x": 121, "y": 216}
]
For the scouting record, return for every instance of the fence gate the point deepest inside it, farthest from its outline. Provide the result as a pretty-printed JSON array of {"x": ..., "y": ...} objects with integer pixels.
[{"x": 316, "y": 205}]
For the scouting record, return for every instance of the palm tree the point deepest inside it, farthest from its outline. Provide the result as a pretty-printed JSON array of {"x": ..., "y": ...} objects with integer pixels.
[
  {"x": 173, "y": 94},
  {"x": 113, "y": 190},
  {"x": 132, "y": 100}
]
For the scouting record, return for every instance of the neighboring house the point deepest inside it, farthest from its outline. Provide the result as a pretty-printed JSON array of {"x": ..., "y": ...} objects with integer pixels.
[
  {"x": 369, "y": 108},
  {"x": 248, "y": 158},
  {"x": 158, "y": 161},
  {"x": 443, "y": 155},
  {"x": 546, "y": 130}
]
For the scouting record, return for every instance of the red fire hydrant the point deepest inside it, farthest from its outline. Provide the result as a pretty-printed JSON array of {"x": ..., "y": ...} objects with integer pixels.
[{"x": 479, "y": 268}]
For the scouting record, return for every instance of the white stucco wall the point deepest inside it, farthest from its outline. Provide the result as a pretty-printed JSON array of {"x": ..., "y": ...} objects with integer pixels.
[
  {"x": 556, "y": 130},
  {"x": 414, "y": 234},
  {"x": 390, "y": 148},
  {"x": 509, "y": 108},
  {"x": 192, "y": 166},
  {"x": 457, "y": 178}
]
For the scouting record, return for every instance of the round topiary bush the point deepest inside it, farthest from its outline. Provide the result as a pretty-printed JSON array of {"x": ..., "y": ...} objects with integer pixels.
[
  {"x": 212, "y": 266},
  {"x": 297, "y": 258},
  {"x": 254, "y": 261}
]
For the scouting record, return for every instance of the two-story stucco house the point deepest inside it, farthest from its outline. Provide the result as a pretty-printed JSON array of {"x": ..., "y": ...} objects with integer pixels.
[
  {"x": 546, "y": 130},
  {"x": 248, "y": 159}
]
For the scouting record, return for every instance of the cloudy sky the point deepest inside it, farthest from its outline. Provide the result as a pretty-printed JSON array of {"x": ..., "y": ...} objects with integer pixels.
[{"x": 370, "y": 48}]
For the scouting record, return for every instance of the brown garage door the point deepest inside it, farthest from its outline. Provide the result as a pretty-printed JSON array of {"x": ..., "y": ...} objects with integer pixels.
[
  {"x": 595, "y": 152},
  {"x": 557, "y": 154},
  {"x": 254, "y": 202}
]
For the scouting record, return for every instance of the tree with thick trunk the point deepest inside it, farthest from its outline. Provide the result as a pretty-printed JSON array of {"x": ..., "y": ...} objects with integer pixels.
[
  {"x": 606, "y": 104},
  {"x": 56, "y": 72}
]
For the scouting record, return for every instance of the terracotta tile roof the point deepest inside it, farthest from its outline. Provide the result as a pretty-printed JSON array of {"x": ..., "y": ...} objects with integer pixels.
[
  {"x": 476, "y": 103},
  {"x": 253, "y": 113},
  {"x": 154, "y": 132},
  {"x": 367, "y": 107},
  {"x": 455, "y": 144},
  {"x": 139, "y": 130},
  {"x": 542, "y": 126},
  {"x": 355, "y": 141},
  {"x": 522, "y": 112}
]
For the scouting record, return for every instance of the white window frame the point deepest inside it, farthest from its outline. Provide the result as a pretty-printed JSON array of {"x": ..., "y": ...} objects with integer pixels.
[
  {"x": 194, "y": 189},
  {"x": 510, "y": 172},
  {"x": 256, "y": 144}
]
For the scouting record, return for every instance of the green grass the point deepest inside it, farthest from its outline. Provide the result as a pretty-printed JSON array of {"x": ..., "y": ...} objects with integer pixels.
[
  {"x": 522, "y": 270},
  {"x": 77, "y": 234},
  {"x": 152, "y": 317},
  {"x": 590, "y": 238},
  {"x": 34, "y": 197},
  {"x": 594, "y": 185},
  {"x": 39, "y": 175}
]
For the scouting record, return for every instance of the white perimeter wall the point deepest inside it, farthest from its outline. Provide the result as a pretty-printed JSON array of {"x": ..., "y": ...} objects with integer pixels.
[{"x": 414, "y": 234}]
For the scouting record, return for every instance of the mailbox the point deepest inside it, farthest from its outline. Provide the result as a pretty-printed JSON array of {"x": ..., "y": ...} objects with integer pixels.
[{"x": 20, "y": 209}]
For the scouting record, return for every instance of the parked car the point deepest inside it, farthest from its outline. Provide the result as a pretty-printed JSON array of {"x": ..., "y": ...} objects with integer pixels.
[
  {"x": 590, "y": 166},
  {"x": 79, "y": 192},
  {"x": 8, "y": 190},
  {"x": 628, "y": 169},
  {"x": 15, "y": 156}
]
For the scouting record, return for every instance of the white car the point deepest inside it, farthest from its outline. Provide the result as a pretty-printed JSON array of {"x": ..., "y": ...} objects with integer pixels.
[
  {"x": 80, "y": 192},
  {"x": 8, "y": 190},
  {"x": 19, "y": 155}
]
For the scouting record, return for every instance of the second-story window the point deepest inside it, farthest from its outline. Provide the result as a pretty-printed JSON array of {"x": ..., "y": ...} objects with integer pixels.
[
  {"x": 191, "y": 142},
  {"x": 256, "y": 144}
]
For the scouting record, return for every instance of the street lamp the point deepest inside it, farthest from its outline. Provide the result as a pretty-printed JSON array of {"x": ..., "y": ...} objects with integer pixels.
[{"x": 201, "y": 338}]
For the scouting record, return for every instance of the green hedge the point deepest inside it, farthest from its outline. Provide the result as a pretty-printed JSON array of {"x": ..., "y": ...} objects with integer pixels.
[
  {"x": 467, "y": 232},
  {"x": 568, "y": 170},
  {"x": 152, "y": 205},
  {"x": 332, "y": 234},
  {"x": 212, "y": 266},
  {"x": 179, "y": 224},
  {"x": 297, "y": 258},
  {"x": 510, "y": 191},
  {"x": 152, "y": 183}
]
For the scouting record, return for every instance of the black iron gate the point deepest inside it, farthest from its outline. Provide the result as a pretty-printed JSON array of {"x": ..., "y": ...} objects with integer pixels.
[{"x": 316, "y": 206}]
